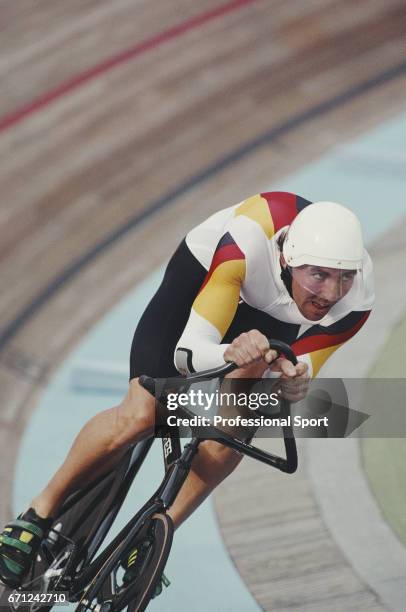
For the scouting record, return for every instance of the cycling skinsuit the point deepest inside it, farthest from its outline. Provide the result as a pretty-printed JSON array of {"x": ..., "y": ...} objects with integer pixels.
[{"x": 225, "y": 279}]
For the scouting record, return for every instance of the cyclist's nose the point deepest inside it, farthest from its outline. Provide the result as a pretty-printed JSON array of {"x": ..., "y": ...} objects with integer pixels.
[{"x": 331, "y": 290}]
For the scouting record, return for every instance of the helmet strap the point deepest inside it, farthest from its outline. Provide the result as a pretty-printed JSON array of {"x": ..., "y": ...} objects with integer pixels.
[{"x": 286, "y": 277}]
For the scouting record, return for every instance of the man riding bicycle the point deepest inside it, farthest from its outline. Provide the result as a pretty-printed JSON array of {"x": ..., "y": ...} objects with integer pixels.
[{"x": 275, "y": 265}]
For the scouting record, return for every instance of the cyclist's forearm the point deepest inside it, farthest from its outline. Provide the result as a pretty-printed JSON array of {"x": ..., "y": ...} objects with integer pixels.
[{"x": 198, "y": 350}]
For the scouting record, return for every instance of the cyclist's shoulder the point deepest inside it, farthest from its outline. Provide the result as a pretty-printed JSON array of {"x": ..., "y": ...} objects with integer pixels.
[
  {"x": 252, "y": 224},
  {"x": 271, "y": 210}
]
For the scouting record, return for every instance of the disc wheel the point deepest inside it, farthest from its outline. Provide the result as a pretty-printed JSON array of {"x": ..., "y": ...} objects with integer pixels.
[{"x": 113, "y": 595}]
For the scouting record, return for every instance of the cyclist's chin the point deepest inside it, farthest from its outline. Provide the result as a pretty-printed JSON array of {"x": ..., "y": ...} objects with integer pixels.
[{"x": 313, "y": 310}]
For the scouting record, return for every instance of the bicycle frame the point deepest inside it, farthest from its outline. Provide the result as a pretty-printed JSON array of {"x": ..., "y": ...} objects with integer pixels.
[
  {"x": 164, "y": 496},
  {"x": 177, "y": 466}
]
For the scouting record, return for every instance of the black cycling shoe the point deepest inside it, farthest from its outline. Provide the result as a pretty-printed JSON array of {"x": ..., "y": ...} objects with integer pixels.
[{"x": 19, "y": 543}]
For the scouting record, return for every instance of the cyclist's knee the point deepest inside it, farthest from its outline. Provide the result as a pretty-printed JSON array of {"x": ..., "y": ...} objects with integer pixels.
[
  {"x": 221, "y": 458},
  {"x": 135, "y": 416}
]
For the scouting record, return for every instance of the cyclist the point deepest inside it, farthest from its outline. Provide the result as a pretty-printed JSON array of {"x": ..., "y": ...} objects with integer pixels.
[{"x": 274, "y": 265}]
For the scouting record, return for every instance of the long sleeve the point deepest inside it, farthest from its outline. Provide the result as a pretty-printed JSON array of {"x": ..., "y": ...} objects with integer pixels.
[{"x": 213, "y": 310}]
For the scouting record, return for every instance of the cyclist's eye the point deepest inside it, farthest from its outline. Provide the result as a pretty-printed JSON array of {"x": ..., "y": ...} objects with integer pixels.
[
  {"x": 318, "y": 276},
  {"x": 348, "y": 277}
]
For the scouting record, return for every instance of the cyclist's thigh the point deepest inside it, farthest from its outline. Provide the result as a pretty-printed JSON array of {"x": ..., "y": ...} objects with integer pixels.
[
  {"x": 133, "y": 419},
  {"x": 137, "y": 409},
  {"x": 219, "y": 457},
  {"x": 137, "y": 399}
]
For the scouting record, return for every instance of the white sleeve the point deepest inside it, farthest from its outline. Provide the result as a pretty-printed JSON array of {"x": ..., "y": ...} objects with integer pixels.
[{"x": 199, "y": 346}]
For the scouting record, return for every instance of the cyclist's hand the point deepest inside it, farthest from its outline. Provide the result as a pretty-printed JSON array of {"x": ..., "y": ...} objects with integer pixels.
[
  {"x": 248, "y": 348},
  {"x": 294, "y": 381}
]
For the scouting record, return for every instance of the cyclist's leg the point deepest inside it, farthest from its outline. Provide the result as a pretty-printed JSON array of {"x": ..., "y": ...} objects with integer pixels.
[
  {"x": 102, "y": 441},
  {"x": 106, "y": 436},
  {"x": 212, "y": 464},
  {"x": 99, "y": 446}
]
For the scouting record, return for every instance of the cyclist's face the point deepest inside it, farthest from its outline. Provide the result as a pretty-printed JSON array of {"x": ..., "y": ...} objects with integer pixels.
[{"x": 316, "y": 289}]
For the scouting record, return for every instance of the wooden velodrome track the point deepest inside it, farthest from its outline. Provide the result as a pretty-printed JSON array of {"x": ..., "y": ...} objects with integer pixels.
[{"x": 124, "y": 123}]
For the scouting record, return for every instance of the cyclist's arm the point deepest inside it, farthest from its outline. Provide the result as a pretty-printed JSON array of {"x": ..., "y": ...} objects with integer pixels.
[
  {"x": 213, "y": 310},
  {"x": 318, "y": 344}
]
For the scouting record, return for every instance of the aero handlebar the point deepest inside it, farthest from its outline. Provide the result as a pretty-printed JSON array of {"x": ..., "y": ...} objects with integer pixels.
[{"x": 288, "y": 464}]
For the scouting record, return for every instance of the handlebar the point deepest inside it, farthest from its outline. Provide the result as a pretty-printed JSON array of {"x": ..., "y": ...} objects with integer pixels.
[
  {"x": 288, "y": 464},
  {"x": 280, "y": 347},
  {"x": 221, "y": 371}
]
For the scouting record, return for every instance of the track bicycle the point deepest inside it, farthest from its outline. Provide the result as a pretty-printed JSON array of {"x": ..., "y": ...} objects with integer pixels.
[{"x": 70, "y": 562}]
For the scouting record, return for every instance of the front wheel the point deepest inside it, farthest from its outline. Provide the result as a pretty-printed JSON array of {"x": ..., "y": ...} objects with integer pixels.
[{"x": 113, "y": 593}]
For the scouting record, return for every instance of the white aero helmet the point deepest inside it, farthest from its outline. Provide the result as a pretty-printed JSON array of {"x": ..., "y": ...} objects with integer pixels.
[{"x": 324, "y": 234}]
